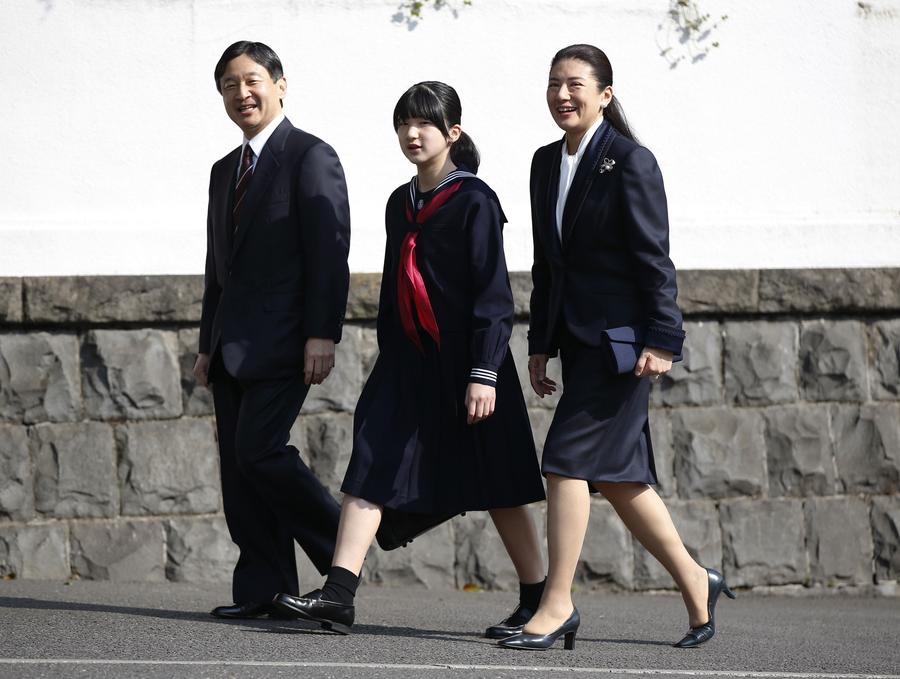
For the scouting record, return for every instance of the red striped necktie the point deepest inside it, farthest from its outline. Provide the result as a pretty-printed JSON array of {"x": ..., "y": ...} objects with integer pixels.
[
  {"x": 240, "y": 189},
  {"x": 411, "y": 291}
]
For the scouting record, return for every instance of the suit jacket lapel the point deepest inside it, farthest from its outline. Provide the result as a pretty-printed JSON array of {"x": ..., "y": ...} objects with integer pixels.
[
  {"x": 585, "y": 176},
  {"x": 266, "y": 167},
  {"x": 223, "y": 224}
]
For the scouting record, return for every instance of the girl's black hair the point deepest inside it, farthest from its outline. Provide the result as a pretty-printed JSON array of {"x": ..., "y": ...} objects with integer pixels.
[
  {"x": 602, "y": 69},
  {"x": 438, "y": 103}
]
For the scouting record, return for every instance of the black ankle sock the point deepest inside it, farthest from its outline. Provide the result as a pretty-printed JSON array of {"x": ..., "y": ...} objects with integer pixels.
[
  {"x": 530, "y": 595},
  {"x": 340, "y": 586}
]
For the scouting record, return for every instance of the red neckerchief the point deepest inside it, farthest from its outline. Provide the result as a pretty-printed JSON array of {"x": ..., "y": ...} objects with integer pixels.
[{"x": 411, "y": 289}]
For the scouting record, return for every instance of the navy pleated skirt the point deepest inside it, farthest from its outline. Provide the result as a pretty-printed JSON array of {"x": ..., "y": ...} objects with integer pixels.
[
  {"x": 412, "y": 448},
  {"x": 600, "y": 430}
]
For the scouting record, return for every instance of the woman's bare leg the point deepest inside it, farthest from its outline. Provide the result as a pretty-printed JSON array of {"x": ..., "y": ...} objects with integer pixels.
[
  {"x": 568, "y": 510},
  {"x": 648, "y": 519}
]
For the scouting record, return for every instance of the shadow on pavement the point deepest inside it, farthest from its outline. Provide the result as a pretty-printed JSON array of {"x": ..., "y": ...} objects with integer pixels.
[
  {"x": 262, "y": 625},
  {"x": 267, "y": 626},
  {"x": 309, "y": 627},
  {"x": 637, "y": 642},
  {"x": 161, "y": 613}
]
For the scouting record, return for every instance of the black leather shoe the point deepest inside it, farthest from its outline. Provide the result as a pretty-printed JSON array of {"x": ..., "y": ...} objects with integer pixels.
[
  {"x": 331, "y": 616},
  {"x": 513, "y": 624},
  {"x": 247, "y": 611},
  {"x": 705, "y": 632},
  {"x": 541, "y": 642}
]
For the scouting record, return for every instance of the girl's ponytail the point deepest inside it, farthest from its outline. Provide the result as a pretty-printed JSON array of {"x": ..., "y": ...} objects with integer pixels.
[{"x": 464, "y": 153}]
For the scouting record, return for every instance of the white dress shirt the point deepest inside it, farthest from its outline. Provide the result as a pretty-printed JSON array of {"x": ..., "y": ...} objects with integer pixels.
[
  {"x": 259, "y": 141},
  {"x": 568, "y": 165}
]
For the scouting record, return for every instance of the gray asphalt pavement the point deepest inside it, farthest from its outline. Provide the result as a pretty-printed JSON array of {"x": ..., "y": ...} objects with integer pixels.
[{"x": 95, "y": 629}]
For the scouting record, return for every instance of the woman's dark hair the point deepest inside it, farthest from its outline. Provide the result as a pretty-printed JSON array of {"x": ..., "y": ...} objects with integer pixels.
[
  {"x": 262, "y": 54},
  {"x": 438, "y": 103},
  {"x": 602, "y": 69}
]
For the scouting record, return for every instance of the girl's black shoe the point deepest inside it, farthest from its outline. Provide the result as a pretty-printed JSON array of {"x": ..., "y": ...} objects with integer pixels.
[
  {"x": 331, "y": 616},
  {"x": 512, "y": 624},
  {"x": 541, "y": 642},
  {"x": 705, "y": 632}
]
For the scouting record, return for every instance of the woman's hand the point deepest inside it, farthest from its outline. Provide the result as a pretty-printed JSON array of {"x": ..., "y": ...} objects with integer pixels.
[
  {"x": 653, "y": 363},
  {"x": 480, "y": 400},
  {"x": 537, "y": 371},
  {"x": 201, "y": 370}
]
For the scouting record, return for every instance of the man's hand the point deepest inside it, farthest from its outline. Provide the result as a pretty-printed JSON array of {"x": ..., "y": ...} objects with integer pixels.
[
  {"x": 537, "y": 371},
  {"x": 480, "y": 401},
  {"x": 653, "y": 363},
  {"x": 201, "y": 370},
  {"x": 318, "y": 357}
]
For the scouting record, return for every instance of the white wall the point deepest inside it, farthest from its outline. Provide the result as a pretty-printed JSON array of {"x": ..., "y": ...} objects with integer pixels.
[{"x": 781, "y": 149}]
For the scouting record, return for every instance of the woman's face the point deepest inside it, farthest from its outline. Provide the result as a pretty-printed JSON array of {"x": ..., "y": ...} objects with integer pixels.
[
  {"x": 574, "y": 96},
  {"x": 422, "y": 142}
]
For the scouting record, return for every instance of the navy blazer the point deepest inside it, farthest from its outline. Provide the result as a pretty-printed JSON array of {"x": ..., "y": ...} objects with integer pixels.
[
  {"x": 612, "y": 267},
  {"x": 280, "y": 276}
]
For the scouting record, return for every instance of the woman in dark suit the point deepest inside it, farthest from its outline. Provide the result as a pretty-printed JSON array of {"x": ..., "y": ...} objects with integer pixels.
[{"x": 601, "y": 265}]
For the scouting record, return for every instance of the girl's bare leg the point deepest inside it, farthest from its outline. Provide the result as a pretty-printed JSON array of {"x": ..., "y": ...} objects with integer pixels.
[
  {"x": 356, "y": 531},
  {"x": 520, "y": 537}
]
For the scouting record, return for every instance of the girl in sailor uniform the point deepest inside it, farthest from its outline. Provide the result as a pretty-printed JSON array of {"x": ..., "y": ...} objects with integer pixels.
[{"x": 441, "y": 426}]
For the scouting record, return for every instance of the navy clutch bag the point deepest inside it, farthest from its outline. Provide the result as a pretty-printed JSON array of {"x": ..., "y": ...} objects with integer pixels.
[{"x": 623, "y": 348}]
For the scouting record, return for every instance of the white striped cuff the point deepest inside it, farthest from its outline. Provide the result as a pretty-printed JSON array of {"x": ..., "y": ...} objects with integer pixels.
[{"x": 483, "y": 374}]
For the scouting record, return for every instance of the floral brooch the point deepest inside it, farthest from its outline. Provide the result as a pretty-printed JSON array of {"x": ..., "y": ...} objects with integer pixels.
[{"x": 607, "y": 165}]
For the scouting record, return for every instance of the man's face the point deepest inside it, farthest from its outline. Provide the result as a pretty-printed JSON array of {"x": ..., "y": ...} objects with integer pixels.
[{"x": 252, "y": 99}]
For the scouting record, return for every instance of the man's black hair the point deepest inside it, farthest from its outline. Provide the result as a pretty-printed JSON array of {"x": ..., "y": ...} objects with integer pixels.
[{"x": 260, "y": 53}]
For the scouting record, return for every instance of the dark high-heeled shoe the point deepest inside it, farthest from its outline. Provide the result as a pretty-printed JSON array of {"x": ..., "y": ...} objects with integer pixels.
[
  {"x": 541, "y": 642},
  {"x": 702, "y": 633}
]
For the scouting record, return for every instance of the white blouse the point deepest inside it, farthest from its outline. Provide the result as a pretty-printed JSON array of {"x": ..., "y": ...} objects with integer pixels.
[{"x": 567, "y": 167}]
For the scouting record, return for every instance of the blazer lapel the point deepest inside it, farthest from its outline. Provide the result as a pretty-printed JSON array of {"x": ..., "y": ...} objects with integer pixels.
[
  {"x": 551, "y": 231},
  {"x": 585, "y": 176},
  {"x": 266, "y": 168}
]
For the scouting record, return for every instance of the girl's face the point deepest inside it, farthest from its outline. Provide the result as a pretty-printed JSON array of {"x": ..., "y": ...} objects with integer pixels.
[
  {"x": 574, "y": 96},
  {"x": 422, "y": 142}
]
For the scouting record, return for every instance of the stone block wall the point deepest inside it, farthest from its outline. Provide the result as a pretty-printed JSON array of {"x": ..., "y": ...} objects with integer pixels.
[{"x": 777, "y": 440}]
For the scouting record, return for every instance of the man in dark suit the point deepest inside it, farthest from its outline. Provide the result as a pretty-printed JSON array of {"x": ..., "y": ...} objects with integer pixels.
[{"x": 278, "y": 235}]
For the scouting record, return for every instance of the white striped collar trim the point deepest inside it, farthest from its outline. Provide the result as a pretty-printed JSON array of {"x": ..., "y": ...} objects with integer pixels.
[{"x": 453, "y": 176}]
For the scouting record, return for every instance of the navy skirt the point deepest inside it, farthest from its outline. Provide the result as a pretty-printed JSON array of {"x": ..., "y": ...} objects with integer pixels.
[
  {"x": 412, "y": 448},
  {"x": 600, "y": 430}
]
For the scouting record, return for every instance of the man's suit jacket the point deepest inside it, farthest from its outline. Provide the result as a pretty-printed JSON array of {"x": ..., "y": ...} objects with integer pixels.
[
  {"x": 612, "y": 267},
  {"x": 280, "y": 275}
]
